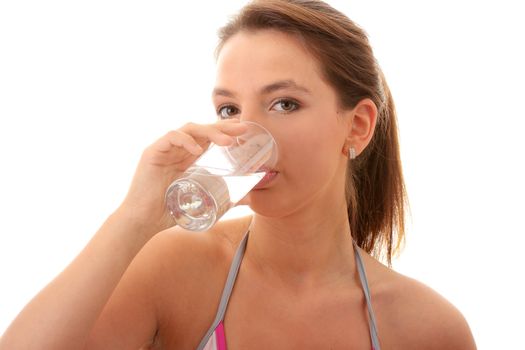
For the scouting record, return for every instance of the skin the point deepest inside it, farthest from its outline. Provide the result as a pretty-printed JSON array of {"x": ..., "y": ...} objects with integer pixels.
[{"x": 298, "y": 286}]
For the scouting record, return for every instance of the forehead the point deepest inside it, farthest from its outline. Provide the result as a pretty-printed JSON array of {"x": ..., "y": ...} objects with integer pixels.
[{"x": 257, "y": 57}]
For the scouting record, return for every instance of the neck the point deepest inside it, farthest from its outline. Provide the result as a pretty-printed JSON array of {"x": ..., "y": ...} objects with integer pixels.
[{"x": 303, "y": 250}]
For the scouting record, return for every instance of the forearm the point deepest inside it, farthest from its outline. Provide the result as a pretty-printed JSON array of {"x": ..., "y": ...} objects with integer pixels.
[{"x": 62, "y": 315}]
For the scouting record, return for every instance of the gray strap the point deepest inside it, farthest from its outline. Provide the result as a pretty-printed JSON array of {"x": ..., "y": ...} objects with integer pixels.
[
  {"x": 364, "y": 283},
  {"x": 228, "y": 287}
]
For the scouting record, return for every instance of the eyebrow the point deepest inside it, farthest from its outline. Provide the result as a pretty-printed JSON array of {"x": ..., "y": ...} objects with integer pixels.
[{"x": 278, "y": 85}]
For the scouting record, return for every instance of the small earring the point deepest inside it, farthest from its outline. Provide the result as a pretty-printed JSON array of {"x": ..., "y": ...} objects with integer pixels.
[{"x": 351, "y": 153}]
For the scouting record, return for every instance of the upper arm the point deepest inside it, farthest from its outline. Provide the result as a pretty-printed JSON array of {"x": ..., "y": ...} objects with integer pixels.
[
  {"x": 423, "y": 319},
  {"x": 128, "y": 320},
  {"x": 455, "y": 332},
  {"x": 443, "y": 326},
  {"x": 155, "y": 289}
]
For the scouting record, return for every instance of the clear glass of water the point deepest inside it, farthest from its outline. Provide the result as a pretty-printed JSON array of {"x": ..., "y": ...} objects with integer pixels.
[{"x": 220, "y": 178}]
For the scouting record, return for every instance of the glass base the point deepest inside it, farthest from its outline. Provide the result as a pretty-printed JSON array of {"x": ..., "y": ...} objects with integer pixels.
[{"x": 192, "y": 207}]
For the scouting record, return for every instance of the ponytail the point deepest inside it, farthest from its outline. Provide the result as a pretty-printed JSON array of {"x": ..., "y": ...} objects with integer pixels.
[{"x": 375, "y": 189}]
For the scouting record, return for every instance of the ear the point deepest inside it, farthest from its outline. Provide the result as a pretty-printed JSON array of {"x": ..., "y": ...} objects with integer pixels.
[{"x": 361, "y": 123}]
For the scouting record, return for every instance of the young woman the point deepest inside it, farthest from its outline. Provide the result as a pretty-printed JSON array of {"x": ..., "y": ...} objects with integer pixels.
[{"x": 298, "y": 273}]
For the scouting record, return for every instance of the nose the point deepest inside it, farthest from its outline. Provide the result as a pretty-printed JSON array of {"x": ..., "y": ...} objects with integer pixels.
[
  {"x": 259, "y": 137},
  {"x": 251, "y": 113},
  {"x": 250, "y": 117}
]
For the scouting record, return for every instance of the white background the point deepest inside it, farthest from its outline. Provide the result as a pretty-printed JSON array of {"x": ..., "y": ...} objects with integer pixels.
[{"x": 86, "y": 86}]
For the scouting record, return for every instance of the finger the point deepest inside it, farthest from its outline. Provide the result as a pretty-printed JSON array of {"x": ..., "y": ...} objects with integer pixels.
[
  {"x": 213, "y": 132},
  {"x": 179, "y": 139},
  {"x": 232, "y": 129}
]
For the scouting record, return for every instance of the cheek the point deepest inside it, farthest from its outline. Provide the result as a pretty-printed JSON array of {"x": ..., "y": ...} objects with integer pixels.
[{"x": 310, "y": 156}]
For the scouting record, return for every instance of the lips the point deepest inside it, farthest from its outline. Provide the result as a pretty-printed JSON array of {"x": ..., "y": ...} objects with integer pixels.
[
  {"x": 268, "y": 177},
  {"x": 266, "y": 169}
]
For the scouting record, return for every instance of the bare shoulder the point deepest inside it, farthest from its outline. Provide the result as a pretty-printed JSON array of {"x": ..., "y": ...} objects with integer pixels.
[
  {"x": 176, "y": 277},
  {"x": 186, "y": 272},
  {"x": 411, "y": 315},
  {"x": 193, "y": 256},
  {"x": 184, "y": 244}
]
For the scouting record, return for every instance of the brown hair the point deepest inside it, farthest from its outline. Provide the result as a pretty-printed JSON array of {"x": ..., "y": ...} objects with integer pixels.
[{"x": 375, "y": 190}]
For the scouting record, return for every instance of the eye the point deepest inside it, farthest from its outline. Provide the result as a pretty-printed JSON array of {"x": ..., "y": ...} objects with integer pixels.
[
  {"x": 225, "y": 112},
  {"x": 285, "y": 105}
]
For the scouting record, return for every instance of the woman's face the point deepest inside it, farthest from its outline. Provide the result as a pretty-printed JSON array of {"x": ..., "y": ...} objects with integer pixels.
[{"x": 268, "y": 77}]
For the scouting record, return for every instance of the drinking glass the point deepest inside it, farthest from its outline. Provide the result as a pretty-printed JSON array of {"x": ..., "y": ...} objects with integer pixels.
[{"x": 220, "y": 178}]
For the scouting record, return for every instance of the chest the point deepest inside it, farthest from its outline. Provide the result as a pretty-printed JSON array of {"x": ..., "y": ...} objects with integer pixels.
[
  {"x": 262, "y": 316},
  {"x": 336, "y": 319}
]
